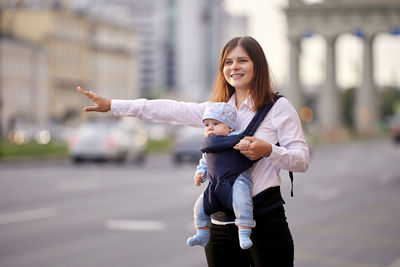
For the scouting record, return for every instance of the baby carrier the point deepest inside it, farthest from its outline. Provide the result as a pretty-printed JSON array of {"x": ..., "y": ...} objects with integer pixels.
[{"x": 225, "y": 164}]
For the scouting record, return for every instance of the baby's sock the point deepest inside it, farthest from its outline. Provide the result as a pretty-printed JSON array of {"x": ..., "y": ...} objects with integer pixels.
[
  {"x": 201, "y": 238},
  {"x": 244, "y": 238}
]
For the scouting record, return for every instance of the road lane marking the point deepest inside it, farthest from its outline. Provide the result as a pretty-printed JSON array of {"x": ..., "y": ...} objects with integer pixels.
[
  {"x": 135, "y": 225},
  {"x": 28, "y": 215}
]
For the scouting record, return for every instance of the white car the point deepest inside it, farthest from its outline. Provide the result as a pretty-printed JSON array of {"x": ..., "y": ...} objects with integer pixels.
[{"x": 118, "y": 141}]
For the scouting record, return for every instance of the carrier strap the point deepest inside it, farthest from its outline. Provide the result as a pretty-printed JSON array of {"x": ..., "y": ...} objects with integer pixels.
[
  {"x": 291, "y": 177},
  {"x": 259, "y": 117}
]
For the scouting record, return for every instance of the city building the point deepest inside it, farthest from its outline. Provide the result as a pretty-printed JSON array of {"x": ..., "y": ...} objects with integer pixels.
[
  {"x": 24, "y": 88},
  {"x": 202, "y": 28},
  {"x": 330, "y": 19},
  {"x": 179, "y": 42},
  {"x": 81, "y": 50}
]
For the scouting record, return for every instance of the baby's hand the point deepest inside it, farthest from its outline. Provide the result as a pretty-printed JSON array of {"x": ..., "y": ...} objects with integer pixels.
[
  {"x": 198, "y": 178},
  {"x": 243, "y": 144}
]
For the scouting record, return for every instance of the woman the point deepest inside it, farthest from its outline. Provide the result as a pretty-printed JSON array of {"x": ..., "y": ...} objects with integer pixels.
[{"x": 243, "y": 80}]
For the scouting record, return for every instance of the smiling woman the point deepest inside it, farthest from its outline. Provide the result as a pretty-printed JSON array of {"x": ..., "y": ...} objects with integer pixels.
[
  {"x": 244, "y": 83},
  {"x": 243, "y": 70}
]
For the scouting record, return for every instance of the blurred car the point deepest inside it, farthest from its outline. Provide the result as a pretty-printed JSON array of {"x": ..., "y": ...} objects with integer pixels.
[
  {"x": 117, "y": 141},
  {"x": 186, "y": 145}
]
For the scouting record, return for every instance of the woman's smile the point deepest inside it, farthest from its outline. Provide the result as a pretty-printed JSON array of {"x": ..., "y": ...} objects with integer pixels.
[{"x": 236, "y": 76}]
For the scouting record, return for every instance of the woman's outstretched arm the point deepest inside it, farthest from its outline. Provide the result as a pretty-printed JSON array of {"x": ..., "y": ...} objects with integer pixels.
[{"x": 158, "y": 110}]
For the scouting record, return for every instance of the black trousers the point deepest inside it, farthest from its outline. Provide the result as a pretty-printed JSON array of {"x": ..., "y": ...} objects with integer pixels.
[{"x": 272, "y": 244}]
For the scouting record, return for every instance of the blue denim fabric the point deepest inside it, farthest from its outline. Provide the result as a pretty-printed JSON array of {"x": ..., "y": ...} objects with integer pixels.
[
  {"x": 242, "y": 201},
  {"x": 242, "y": 204},
  {"x": 201, "y": 219}
]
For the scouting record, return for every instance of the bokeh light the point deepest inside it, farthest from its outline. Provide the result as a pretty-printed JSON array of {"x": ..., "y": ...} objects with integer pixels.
[
  {"x": 306, "y": 114},
  {"x": 43, "y": 137},
  {"x": 364, "y": 115},
  {"x": 140, "y": 137},
  {"x": 16, "y": 137}
]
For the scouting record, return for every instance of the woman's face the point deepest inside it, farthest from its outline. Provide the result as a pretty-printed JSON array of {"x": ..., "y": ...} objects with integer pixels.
[{"x": 238, "y": 69}]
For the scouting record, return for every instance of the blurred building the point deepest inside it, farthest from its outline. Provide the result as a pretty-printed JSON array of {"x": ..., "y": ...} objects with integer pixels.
[
  {"x": 202, "y": 28},
  {"x": 113, "y": 64},
  {"x": 330, "y": 19},
  {"x": 179, "y": 42},
  {"x": 24, "y": 84},
  {"x": 80, "y": 50},
  {"x": 155, "y": 51}
]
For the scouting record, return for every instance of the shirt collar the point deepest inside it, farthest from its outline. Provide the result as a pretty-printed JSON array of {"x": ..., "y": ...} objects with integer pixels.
[{"x": 247, "y": 102}]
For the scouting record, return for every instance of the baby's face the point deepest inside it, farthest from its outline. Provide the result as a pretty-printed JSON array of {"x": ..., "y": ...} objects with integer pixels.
[{"x": 214, "y": 127}]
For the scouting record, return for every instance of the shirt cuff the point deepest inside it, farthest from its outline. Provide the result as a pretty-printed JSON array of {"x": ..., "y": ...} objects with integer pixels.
[{"x": 276, "y": 153}]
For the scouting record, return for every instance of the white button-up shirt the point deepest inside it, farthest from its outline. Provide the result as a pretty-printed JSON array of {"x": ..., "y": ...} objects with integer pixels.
[{"x": 282, "y": 124}]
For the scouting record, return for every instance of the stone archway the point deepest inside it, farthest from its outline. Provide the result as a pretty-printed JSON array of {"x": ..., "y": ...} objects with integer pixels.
[{"x": 363, "y": 18}]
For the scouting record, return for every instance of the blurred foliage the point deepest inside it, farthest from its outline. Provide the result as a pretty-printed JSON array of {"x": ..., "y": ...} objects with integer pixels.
[
  {"x": 388, "y": 98},
  {"x": 163, "y": 145},
  {"x": 8, "y": 150},
  {"x": 347, "y": 104}
]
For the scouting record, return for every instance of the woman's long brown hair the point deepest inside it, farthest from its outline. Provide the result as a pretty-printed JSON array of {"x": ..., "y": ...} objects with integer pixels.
[{"x": 260, "y": 88}]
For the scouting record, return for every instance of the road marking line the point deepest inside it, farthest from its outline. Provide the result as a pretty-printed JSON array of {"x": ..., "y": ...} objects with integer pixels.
[
  {"x": 331, "y": 261},
  {"x": 135, "y": 225},
  {"x": 28, "y": 215}
]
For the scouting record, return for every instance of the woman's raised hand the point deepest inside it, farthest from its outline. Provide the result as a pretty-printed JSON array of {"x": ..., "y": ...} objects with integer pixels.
[
  {"x": 253, "y": 148},
  {"x": 101, "y": 104}
]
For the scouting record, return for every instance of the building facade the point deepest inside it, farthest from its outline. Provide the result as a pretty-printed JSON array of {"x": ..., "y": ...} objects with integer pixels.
[
  {"x": 330, "y": 19},
  {"x": 24, "y": 88},
  {"x": 81, "y": 51},
  {"x": 179, "y": 42}
]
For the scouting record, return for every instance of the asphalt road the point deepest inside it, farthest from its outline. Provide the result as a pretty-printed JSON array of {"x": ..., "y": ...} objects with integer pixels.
[{"x": 345, "y": 211}]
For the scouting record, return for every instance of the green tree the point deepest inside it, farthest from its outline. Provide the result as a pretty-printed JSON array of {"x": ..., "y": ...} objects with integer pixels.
[
  {"x": 347, "y": 104},
  {"x": 388, "y": 98}
]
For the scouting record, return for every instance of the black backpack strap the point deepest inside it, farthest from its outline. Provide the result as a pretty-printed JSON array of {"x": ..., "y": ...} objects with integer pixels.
[
  {"x": 259, "y": 117},
  {"x": 257, "y": 120},
  {"x": 291, "y": 177}
]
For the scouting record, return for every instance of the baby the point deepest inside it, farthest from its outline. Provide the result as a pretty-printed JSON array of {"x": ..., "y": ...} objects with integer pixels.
[{"x": 220, "y": 119}]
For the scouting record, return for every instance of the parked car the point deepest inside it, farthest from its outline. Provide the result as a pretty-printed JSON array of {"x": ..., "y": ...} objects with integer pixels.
[
  {"x": 186, "y": 145},
  {"x": 102, "y": 141}
]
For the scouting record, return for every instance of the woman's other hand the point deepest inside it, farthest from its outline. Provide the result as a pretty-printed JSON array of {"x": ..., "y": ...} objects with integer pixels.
[
  {"x": 253, "y": 148},
  {"x": 101, "y": 104},
  {"x": 198, "y": 178}
]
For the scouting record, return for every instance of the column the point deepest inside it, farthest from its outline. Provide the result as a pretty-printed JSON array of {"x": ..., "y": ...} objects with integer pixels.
[
  {"x": 295, "y": 93},
  {"x": 328, "y": 99},
  {"x": 366, "y": 100}
]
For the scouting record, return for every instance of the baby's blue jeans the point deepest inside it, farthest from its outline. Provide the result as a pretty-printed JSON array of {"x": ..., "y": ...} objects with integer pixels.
[{"x": 241, "y": 201}]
